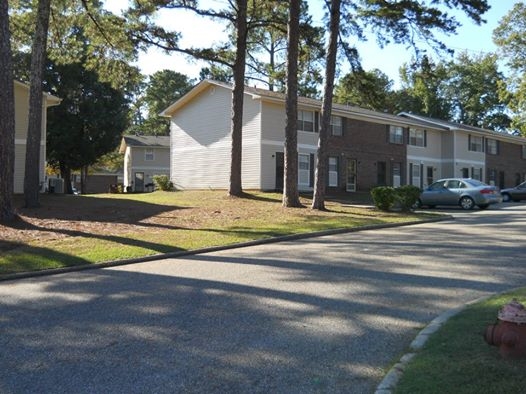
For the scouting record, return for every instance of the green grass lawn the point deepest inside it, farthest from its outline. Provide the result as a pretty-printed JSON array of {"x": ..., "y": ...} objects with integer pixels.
[
  {"x": 75, "y": 230},
  {"x": 457, "y": 360}
]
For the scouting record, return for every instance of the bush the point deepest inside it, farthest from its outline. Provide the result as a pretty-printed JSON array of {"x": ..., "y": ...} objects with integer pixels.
[
  {"x": 383, "y": 197},
  {"x": 163, "y": 182},
  {"x": 406, "y": 196}
]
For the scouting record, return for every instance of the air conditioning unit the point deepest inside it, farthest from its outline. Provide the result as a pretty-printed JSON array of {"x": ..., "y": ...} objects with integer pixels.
[{"x": 56, "y": 185}]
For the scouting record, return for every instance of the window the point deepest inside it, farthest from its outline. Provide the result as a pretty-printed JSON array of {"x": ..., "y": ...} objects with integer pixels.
[
  {"x": 475, "y": 144},
  {"x": 492, "y": 176},
  {"x": 306, "y": 121},
  {"x": 415, "y": 171},
  {"x": 303, "y": 169},
  {"x": 333, "y": 171},
  {"x": 476, "y": 173},
  {"x": 336, "y": 125},
  {"x": 417, "y": 137},
  {"x": 148, "y": 155},
  {"x": 492, "y": 146},
  {"x": 397, "y": 174},
  {"x": 396, "y": 135}
]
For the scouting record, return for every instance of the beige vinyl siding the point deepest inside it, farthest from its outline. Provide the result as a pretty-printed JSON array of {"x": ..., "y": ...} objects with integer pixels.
[
  {"x": 428, "y": 156},
  {"x": 464, "y": 158},
  {"x": 20, "y": 164},
  {"x": 159, "y": 166},
  {"x": 251, "y": 154},
  {"x": 201, "y": 131}
]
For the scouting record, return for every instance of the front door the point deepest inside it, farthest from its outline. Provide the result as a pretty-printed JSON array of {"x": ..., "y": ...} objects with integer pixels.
[
  {"x": 351, "y": 175},
  {"x": 139, "y": 182},
  {"x": 280, "y": 168}
]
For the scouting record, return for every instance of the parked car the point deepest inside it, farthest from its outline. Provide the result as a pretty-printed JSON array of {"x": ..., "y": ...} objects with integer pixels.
[
  {"x": 516, "y": 193},
  {"x": 465, "y": 192}
]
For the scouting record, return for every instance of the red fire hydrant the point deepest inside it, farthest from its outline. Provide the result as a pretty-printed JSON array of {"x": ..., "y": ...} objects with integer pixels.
[{"x": 509, "y": 334}]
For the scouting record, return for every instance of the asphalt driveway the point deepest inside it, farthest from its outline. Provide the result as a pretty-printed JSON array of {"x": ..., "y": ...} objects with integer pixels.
[{"x": 328, "y": 314}]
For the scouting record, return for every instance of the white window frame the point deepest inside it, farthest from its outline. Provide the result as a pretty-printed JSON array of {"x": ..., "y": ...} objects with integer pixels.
[
  {"x": 303, "y": 124},
  {"x": 416, "y": 174},
  {"x": 417, "y": 137},
  {"x": 351, "y": 175},
  {"x": 336, "y": 125},
  {"x": 303, "y": 169},
  {"x": 476, "y": 143},
  {"x": 396, "y": 135},
  {"x": 333, "y": 171},
  {"x": 149, "y": 154}
]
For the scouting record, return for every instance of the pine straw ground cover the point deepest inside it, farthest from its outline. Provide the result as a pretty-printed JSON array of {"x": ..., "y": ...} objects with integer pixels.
[{"x": 72, "y": 230}]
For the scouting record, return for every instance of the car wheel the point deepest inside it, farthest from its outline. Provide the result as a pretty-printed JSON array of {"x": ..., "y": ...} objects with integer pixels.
[
  {"x": 467, "y": 203},
  {"x": 483, "y": 206},
  {"x": 506, "y": 197}
]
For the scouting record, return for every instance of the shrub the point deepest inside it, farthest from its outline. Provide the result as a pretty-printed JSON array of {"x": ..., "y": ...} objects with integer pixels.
[
  {"x": 383, "y": 197},
  {"x": 407, "y": 196},
  {"x": 163, "y": 182}
]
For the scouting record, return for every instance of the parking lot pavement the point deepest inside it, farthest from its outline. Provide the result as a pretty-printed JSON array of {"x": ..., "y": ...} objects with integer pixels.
[{"x": 327, "y": 314}]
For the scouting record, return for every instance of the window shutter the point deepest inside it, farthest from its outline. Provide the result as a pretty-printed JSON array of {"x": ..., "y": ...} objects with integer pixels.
[
  {"x": 316, "y": 122},
  {"x": 422, "y": 174},
  {"x": 387, "y": 133},
  {"x": 425, "y": 137},
  {"x": 469, "y": 142},
  {"x": 410, "y": 174},
  {"x": 311, "y": 170}
]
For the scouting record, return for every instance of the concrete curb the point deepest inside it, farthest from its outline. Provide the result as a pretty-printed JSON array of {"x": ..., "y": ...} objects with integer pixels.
[
  {"x": 390, "y": 380},
  {"x": 116, "y": 263}
]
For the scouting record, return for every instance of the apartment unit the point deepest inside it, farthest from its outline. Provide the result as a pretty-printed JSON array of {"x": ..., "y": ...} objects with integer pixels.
[{"x": 365, "y": 148}]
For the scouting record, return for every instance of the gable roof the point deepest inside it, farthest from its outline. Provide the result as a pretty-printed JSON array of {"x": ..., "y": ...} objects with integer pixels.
[
  {"x": 303, "y": 102},
  {"x": 148, "y": 141},
  {"x": 453, "y": 126}
]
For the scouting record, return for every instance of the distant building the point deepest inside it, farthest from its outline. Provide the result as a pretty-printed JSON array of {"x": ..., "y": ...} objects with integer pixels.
[{"x": 144, "y": 157}]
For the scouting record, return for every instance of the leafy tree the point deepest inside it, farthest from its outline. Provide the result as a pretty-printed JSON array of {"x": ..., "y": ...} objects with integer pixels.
[
  {"x": 7, "y": 119},
  {"x": 472, "y": 89},
  {"x": 290, "y": 186},
  {"x": 509, "y": 37},
  {"x": 162, "y": 89},
  {"x": 422, "y": 82},
  {"x": 367, "y": 89},
  {"x": 318, "y": 200},
  {"x": 88, "y": 123}
]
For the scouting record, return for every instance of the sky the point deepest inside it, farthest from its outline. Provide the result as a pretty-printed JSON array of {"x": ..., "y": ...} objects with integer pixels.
[{"x": 200, "y": 32}]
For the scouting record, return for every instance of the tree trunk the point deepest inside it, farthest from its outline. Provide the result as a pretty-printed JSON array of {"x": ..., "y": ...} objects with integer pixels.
[
  {"x": 320, "y": 178},
  {"x": 65, "y": 173},
  {"x": 290, "y": 184},
  {"x": 238, "y": 92},
  {"x": 7, "y": 119},
  {"x": 34, "y": 131}
]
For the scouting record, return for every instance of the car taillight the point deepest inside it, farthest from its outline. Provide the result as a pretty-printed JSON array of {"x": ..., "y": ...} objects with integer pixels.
[{"x": 486, "y": 191}]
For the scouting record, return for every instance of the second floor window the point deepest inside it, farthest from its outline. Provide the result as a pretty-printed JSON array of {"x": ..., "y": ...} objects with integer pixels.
[
  {"x": 492, "y": 146},
  {"x": 336, "y": 125},
  {"x": 417, "y": 137},
  {"x": 475, "y": 144},
  {"x": 396, "y": 135},
  {"x": 148, "y": 155},
  {"x": 306, "y": 121}
]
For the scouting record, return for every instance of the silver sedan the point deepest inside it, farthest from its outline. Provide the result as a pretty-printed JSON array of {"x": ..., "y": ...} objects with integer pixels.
[{"x": 463, "y": 192}]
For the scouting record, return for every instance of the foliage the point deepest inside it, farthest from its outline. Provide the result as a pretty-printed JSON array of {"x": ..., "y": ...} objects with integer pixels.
[
  {"x": 366, "y": 89},
  {"x": 422, "y": 83},
  {"x": 90, "y": 120},
  {"x": 161, "y": 90},
  {"x": 384, "y": 197},
  {"x": 509, "y": 37},
  {"x": 162, "y": 182},
  {"x": 406, "y": 196}
]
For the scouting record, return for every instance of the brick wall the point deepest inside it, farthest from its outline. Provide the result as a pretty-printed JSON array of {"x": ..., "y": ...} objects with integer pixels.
[
  {"x": 367, "y": 143},
  {"x": 509, "y": 165}
]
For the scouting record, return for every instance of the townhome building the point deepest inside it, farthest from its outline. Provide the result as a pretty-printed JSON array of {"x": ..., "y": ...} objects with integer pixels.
[
  {"x": 365, "y": 148},
  {"x": 470, "y": 152},
  {"x": 144, "y": 157}
]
